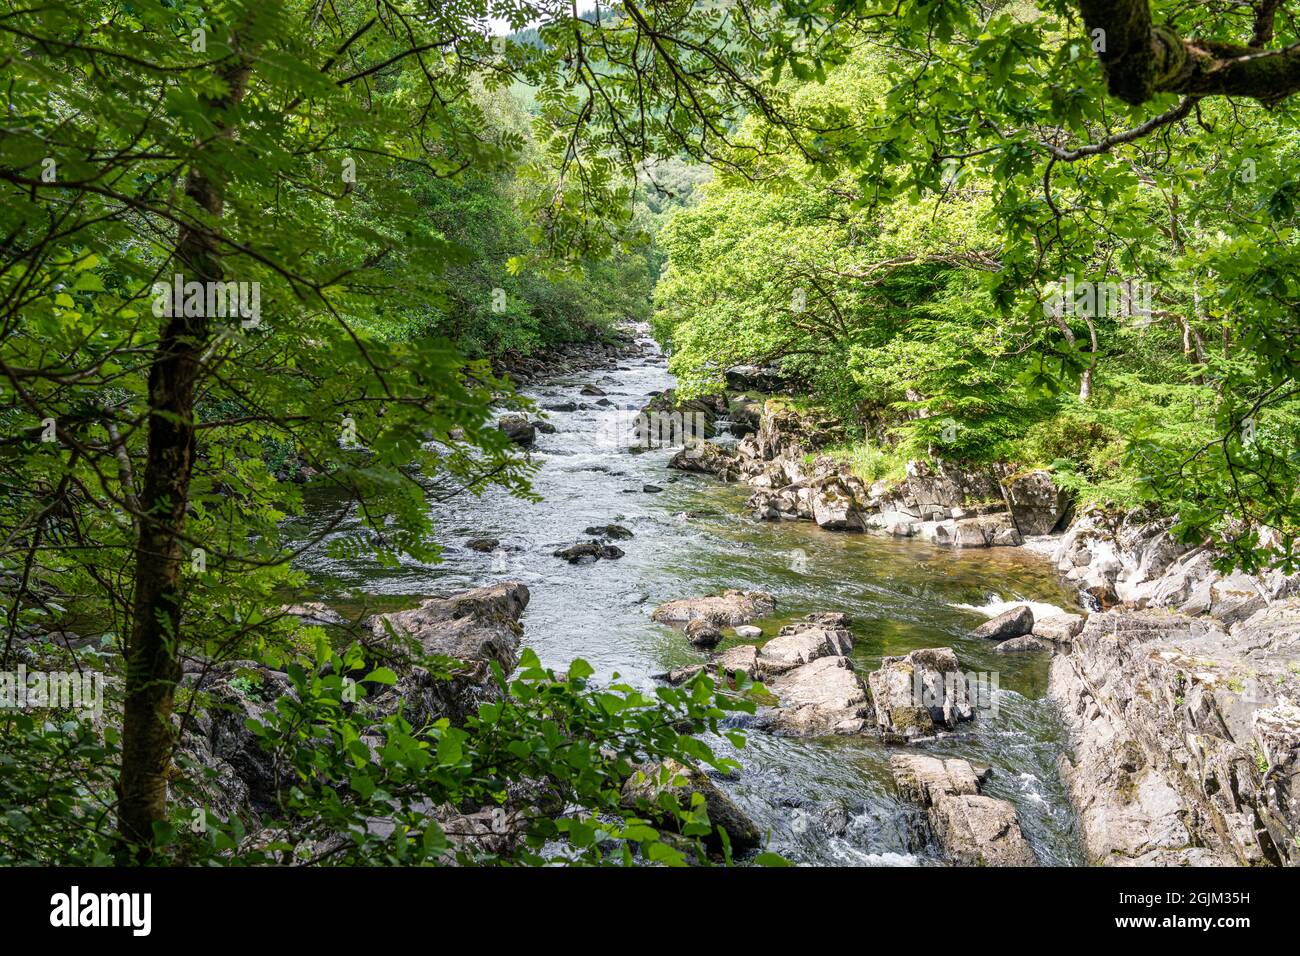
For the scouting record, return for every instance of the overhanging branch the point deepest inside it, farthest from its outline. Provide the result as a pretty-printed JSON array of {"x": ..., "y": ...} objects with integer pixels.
[{"x": 1141, "y": 59}]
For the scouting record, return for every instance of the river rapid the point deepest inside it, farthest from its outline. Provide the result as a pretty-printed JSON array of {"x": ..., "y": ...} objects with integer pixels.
[{"x": 824, "y": 801}]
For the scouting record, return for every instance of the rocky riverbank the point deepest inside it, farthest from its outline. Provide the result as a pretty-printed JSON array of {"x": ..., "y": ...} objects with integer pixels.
[
  {"x": 1187, "y": 737},
  {"x": 1179, "y": 690},
  {"x": 780, "y": 456}
]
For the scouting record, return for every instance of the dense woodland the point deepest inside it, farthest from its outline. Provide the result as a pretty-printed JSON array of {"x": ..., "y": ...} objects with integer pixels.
[{"x": 1047, "y": 233}]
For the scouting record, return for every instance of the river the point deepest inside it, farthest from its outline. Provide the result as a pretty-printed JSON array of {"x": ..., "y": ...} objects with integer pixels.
[{"x": 824, "y": 801}]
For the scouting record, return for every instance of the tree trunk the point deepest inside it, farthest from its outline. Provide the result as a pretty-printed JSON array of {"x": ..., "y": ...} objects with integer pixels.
[
  {"x": 152, "y": 667},
  {"x": 1085, "y": 380}
]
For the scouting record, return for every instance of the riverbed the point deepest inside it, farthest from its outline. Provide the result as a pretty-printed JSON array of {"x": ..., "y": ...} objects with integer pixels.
[{"x": 825, "y": 801}]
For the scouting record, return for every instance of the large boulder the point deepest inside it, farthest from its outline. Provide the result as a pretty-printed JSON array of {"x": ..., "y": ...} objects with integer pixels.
[
  {"x": 972, "y": 829},
  {"x": 920, "y": 694},
  {"x": 923, "y": 779},
  {"x": 981, "y": 831},
  {"x": 1016, "y": 622},
  {"x": 802, "y": 643},
  {"x": 741, "y": 378},
  {"x": 476, "y": 628},
  {"x": 727, "y": 609},
  {"x": 834, "y": 507},
  {"x": 705, "y": 458},
  {"x": 668, "y": 420},
  {"x": 1036, "y": 504},
  {"x": 1059, "y": 628},
  {"x": 824, "y": 696}
]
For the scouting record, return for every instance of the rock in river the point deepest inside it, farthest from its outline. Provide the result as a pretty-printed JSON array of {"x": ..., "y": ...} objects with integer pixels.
[
  {"x": 614, "y": 531},
  {"x": 972, "y": 829},
  {"x": 824, "y": 696},
  {"x": 727, "y": 609},
  {"x": 646, "y": 787},
  {"x": 802, "y": 643},
  {"x": 1059, "y": 628},
  {"x": 1019, "y": 645},
  {"x": 920, "y": 694},
  {"x": 588, "y": 551},
  {"x": 482, "y": 544},
  {"x": 703, "y": 633},
  {"x": 1016, "y": 622},
  {"x": 518, "y": 429}
]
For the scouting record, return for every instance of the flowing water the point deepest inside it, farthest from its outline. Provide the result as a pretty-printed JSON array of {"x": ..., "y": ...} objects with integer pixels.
[{"x": 826, "y": 801}]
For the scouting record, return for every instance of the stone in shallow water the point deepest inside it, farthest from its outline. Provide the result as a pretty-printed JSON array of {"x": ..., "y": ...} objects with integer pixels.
[
  {"x": 1019, "y": 645},
  {"x": 644, "y": 789},
  {"x": 518, "y": 429},
  {"x": 615, "y": 531},
  {"x": 917, "y": 695},
  {"x": 588, "y": 551},
  {"x": 727, "y": 609},
  {"x": 1016, "y": 622},
  {"x": 749, "y": 631},
  {"x": 703, "y": 633},
  {"x": 825, "y": 696},
  {"x": 807, "y": 644},
  {"x": 974, "y": 830}
]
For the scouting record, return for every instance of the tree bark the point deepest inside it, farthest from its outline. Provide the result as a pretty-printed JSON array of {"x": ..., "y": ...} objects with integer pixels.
[
  {"x": 1141, "y": 59},
  {"x": 152, "y": 667}
]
